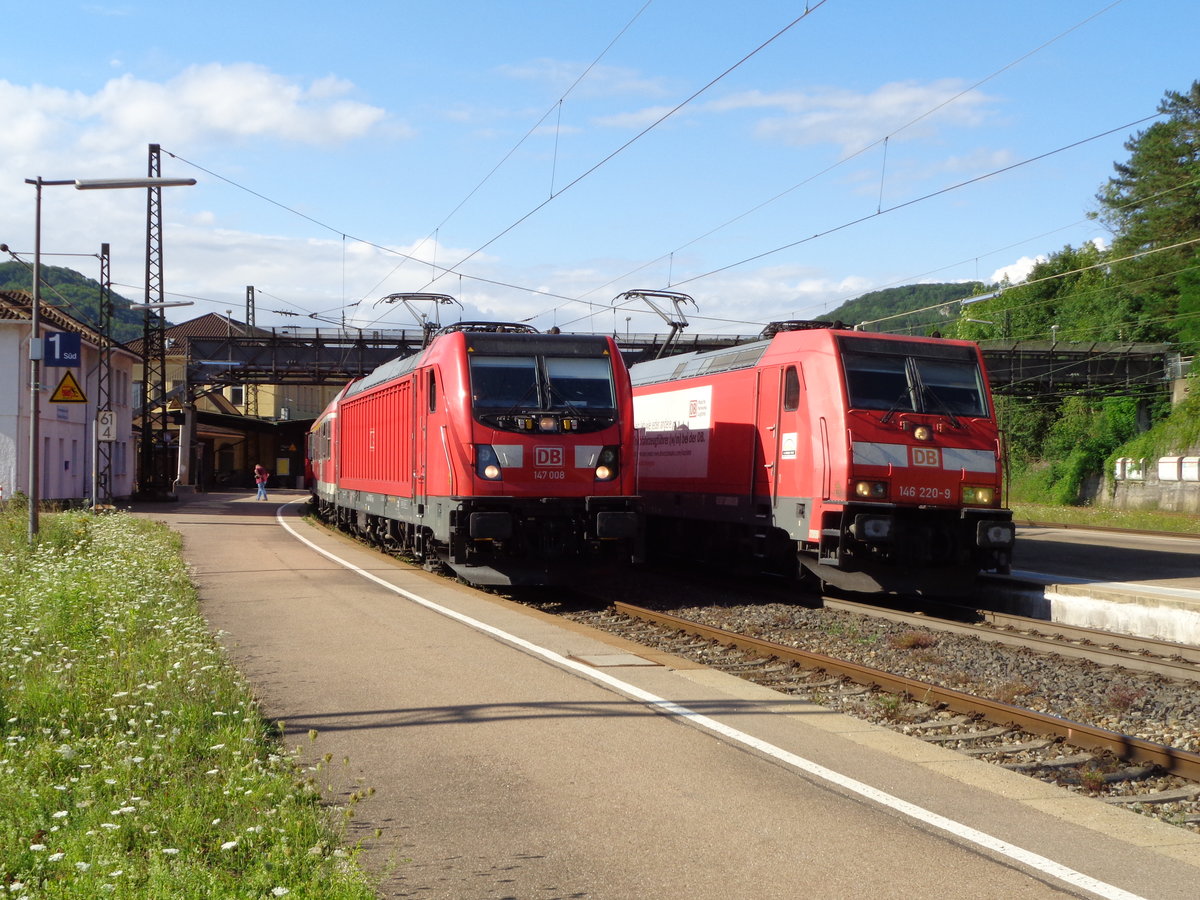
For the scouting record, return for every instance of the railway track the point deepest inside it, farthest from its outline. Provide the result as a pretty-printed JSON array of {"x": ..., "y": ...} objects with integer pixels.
[
  {"x": 1008, "y": 716},
  {"x": 1142, "y": 766},
  {"x": 1101, "y": 647}
]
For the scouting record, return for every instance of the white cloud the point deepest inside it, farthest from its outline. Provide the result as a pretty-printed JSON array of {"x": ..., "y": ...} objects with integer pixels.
[
  {"x": 203, "y": 103},
  {"x": 853, "y": 119},
  {"x": 636, "y": 119},
  {"x": 600, "y": 81},
  {"x": 1018, "y": 271},
  {"x": 238, "y": 100}
]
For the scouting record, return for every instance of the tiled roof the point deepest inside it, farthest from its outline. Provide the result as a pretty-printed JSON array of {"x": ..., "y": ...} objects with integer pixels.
[
  {"x": 210, "y": 325},
  {"x": 17, "y": 305}
]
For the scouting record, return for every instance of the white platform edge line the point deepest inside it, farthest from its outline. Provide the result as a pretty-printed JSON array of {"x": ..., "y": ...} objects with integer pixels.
[{"x": 958, "y": 829}]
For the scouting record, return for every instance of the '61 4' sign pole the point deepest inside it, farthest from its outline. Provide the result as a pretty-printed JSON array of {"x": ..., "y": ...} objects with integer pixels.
[{"x": 105, "y": 434}]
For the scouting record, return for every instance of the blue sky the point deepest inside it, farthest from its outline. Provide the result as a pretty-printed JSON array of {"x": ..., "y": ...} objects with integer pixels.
[{"x": 536, "y": 158}]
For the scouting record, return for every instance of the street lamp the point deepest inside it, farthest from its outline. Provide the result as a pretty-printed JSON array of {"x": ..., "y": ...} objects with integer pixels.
[{"x": 35, "y": 339}]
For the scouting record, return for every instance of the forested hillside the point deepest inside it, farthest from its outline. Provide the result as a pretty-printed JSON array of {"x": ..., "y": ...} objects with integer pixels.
[
  {"x": 76, "y": 295},
  {"x": 913, "y": 308}
]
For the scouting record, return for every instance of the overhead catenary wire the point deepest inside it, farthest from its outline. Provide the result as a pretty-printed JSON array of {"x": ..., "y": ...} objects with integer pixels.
[
  {"x": 557, "y": 105},
  {"x": 924, "y": 197},
  {"x": 1191, "y": 183},
  {"x": 809, "y": 9},
  {"x": 575, "y": 299},
  {"x": 860, "y": 151},
  {"x": 1099, "y": 265},
  {"x": 446, "y": 270}
]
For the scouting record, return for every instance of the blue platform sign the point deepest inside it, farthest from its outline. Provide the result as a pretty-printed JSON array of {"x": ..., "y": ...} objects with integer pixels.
[{"x": 62, "y": 348}]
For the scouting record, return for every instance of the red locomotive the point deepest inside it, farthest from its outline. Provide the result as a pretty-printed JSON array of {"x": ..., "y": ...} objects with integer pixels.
[
  {"x": 863, "y": 461},
  {"x": 497, "y": 451}
]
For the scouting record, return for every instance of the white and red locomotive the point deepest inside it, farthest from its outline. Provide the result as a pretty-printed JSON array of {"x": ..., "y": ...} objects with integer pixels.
[
  {"x": 500, "y": 452},
  {"x": 863, "y": 461}
]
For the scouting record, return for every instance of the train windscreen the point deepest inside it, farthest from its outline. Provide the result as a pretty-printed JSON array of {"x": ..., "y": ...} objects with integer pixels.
[
  {"x": 580, "y": 383},
  {"x": 510, "y": 383},
  {"x": 914, "y": 377},
  {"x": 504, "y": 382}
]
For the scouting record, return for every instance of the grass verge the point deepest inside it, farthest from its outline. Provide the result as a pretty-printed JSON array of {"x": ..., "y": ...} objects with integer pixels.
[
  {"x": 1107, "y": 517},
  {"x": 135, "y": 762}
]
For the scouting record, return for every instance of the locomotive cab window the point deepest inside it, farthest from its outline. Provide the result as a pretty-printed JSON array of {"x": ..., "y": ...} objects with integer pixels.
[
  {"x": 914, "y": 377},
  {"x": 952, "y": 388},
  {"x": 504, "y": 382},
  {"x": 432, "y": 391},
  {"x": 579, "y": 383},
  {"x": 791, "y": 389},
  {"x": 877, "y": 382}
]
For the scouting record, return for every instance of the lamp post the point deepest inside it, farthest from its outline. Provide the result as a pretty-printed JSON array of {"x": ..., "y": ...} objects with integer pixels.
[{"x": 35, "y": 316}]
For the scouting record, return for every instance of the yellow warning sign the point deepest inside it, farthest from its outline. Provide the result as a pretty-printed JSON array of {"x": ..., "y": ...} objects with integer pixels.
[{"x": 68, "y": 391}]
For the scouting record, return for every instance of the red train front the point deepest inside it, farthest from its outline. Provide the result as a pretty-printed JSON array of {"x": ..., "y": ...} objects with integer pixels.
[
  {"x": 866, "y": 461},
  {"x": 497, "y": 451}
]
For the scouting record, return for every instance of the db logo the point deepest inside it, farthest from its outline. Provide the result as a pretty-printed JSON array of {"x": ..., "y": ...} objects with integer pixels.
[
  {"x": 547, "y": 456},
  {"x": 926, "y": 456}
]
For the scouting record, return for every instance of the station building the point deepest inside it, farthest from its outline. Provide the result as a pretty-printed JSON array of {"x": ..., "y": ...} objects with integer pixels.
[
  {"x": 68, "y": 405},
  {"x": 226, "y": 427}
]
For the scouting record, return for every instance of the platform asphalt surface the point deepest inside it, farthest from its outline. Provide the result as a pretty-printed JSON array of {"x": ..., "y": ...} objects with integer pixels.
[{"x": 513, "y": 755}]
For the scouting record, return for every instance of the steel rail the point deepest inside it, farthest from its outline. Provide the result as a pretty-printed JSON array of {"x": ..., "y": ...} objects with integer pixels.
[
  {"x": 1130, "y": 643},
  {"x": 1077, "y": 734},
  {"x": 1186, "y": 670}
]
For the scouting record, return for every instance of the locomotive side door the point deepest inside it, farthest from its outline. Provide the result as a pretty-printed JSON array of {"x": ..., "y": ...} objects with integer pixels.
[
  {"x": 425, "y": 398},
  {"x": 766, "y": 438}
]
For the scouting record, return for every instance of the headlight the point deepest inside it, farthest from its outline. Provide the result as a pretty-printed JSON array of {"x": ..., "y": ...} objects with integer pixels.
[
  {"x": 877, "y": 529},
  {"x": 487, "y": 464},
  {"x": 922, "y": 433},
  {"x": 871, "y": 490},
  {"x": 547, "y": 423},
  {"x": 974, "y": 495},
  {"x": 995, "y": 534},
  {"x": 607, "y": 464}
]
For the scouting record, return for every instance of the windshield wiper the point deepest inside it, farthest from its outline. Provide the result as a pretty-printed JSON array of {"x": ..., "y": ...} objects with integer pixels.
[
  {"x": 896, "y": 407},
  {"x": 555, "y": 392},
  {"x": 520, "y": 400},
  {"x": 938, "y": 401}
]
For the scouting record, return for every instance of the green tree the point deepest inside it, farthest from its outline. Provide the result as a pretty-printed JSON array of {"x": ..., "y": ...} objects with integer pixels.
[
  {"x": 1069, "y": 291},
  {"x": 1152, "y": 203}
]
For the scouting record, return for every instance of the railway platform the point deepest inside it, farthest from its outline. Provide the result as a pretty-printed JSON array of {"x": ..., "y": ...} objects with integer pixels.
[
  {"x": 513, "y": 754},
  {"x": 1141, "y": 584}
]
